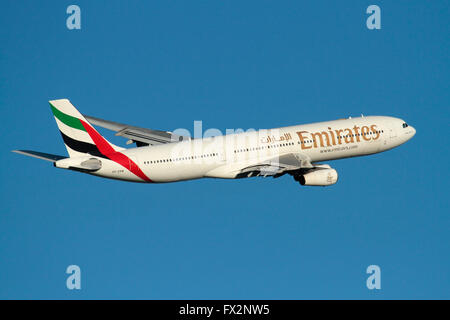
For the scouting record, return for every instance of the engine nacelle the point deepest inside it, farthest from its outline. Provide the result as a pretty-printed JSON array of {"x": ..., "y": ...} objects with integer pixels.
[{"x": 319, "y": 177}]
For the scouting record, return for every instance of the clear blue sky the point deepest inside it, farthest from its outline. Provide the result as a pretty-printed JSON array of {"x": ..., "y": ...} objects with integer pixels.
[{"x": 232, "y": 64}]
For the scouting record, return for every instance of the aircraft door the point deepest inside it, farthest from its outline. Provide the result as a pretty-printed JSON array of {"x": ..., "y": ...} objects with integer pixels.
[
  {"x": 392, "y": 133},
  {"x": 132, "y": 162}
]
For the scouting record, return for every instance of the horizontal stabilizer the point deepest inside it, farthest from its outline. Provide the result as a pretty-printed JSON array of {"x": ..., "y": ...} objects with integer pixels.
[{"x": 40, "y": 155}]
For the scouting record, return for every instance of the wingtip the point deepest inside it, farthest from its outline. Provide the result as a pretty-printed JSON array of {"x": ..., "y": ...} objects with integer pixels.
[{"x": 19, "y": 151}]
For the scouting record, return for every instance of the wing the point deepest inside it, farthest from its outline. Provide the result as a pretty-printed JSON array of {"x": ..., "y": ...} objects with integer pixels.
[
  {"x": 277, "y": 166},
  {"x": 141, "y": 136}
]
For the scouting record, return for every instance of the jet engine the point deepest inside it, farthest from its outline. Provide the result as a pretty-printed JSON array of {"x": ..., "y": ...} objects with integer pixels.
[{"x": 321, "y": 175}]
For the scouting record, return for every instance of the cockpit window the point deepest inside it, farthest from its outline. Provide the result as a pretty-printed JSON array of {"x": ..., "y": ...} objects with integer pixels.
[{"x": 405, "y": 125}]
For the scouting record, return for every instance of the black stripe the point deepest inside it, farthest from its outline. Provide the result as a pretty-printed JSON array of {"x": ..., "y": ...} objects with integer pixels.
[{"x": 81, "y": 146}]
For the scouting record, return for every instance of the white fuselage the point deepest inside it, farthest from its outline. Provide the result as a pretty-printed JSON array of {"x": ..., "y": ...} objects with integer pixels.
[{"x": 225, "y": 156}]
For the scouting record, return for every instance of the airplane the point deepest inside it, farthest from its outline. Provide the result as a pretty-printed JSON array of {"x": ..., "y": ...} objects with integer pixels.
[{"x": 163, "y": 156}]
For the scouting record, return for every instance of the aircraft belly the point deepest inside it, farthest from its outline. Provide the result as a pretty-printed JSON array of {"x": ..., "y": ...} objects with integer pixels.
[{"x": 177, "y": 172}]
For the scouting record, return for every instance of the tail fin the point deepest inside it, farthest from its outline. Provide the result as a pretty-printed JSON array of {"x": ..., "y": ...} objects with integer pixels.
[{"x": 78, "y": 134}]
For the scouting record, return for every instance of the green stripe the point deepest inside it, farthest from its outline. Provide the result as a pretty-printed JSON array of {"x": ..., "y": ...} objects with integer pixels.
[{"x": 66, "y": 119}]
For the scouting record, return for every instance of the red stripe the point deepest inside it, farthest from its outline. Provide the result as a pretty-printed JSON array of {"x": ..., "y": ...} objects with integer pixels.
[{"x": 107, "y": 150}]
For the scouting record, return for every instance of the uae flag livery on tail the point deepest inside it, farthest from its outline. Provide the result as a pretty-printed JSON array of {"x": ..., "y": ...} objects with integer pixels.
[{"x": 81, "y": 138}]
